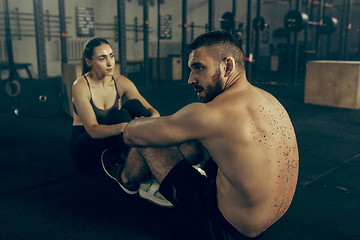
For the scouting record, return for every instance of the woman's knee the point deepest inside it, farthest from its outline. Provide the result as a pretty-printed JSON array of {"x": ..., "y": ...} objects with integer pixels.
[
  {"x": 119, "y": 116},
  {"x": 136, "y": 109}
]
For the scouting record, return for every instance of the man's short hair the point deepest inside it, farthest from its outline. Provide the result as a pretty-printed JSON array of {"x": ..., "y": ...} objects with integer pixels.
[{"x": 223, "y": 45}]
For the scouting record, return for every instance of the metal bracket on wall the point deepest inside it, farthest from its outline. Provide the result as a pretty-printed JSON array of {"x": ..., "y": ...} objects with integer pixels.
[
  {"x": 121, "y": 30},
  {"x": 40, "y": 39}
]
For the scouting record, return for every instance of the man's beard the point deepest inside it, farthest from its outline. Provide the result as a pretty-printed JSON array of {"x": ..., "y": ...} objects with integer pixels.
[{"x": 212, "y": 90}]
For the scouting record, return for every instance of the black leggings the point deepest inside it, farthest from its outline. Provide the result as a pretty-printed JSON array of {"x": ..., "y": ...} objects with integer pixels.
[{"x": 86, "y": 151}]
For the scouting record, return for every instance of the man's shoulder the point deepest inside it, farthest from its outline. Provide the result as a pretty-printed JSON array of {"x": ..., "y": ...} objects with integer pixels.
[
  {"x": 253, "y": 97},
  {"x": 233, "y": 100},
  {"x": 202, "y": 114}
]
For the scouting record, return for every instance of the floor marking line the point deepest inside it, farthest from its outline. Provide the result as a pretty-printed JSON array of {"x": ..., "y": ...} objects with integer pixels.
[{"x": 329, "y": 171}]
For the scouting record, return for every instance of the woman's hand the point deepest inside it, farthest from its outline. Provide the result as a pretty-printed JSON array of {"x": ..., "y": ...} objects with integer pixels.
[
  {"x": 154, "y": 113},
  {"x": 122, "y": 126}
]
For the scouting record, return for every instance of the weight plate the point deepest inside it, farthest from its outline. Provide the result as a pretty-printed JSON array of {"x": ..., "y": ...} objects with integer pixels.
[
  {"x": 329, "y": 25},
  {"x": 295, "y": 21}
]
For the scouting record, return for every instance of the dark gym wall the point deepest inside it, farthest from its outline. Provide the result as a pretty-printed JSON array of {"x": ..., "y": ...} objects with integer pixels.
[{"x": 197, "y": 11}]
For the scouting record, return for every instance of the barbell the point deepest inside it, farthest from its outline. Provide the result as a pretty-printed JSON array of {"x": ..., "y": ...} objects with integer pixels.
[
  {"x": 296, "y": 21},
  {"x": 227, "y": 22}
]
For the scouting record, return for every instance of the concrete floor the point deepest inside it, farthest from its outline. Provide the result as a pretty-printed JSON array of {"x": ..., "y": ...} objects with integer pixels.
[{"x": 43, "y": 196}]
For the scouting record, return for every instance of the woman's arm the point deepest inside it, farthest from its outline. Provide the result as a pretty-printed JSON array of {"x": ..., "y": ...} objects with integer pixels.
[
  {"x": 131, "y": 92},
  {"x": 81, "y": 99}
]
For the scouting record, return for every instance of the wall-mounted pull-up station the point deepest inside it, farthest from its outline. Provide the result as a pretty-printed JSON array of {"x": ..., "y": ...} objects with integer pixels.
[
  {"x": 317, "y": 21},
  {"x": 40, "y": 39},
  {"x": 121, "y": 29}
]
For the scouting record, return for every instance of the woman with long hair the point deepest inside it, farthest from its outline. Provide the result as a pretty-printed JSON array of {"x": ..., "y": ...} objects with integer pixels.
[{"x": 99, "y": 116}]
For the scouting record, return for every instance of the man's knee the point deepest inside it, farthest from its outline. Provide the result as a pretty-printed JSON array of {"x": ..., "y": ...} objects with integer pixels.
[
  {"x": 161, "y": 160},
  {"x": 192, "y": 152}
]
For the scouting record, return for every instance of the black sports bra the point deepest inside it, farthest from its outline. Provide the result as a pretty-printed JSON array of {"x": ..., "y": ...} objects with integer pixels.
[{"x": 102, "y": 114}]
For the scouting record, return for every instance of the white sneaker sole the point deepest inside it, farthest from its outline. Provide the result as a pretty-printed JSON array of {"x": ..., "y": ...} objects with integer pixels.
[
  {"x": 149, "y": 194},
  {"x": 122, "y": 187},
  {"x": 151, "y": 198}
]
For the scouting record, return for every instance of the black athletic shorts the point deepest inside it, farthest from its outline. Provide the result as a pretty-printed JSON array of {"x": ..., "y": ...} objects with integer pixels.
[{"x": 194, "y": 195}]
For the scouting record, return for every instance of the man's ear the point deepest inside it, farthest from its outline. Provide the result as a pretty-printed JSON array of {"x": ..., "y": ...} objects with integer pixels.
[{"x": 229, "y": 65}]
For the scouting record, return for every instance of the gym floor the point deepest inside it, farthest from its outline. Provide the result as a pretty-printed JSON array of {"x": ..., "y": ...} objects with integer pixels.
[{"x": 43, "y": 196}]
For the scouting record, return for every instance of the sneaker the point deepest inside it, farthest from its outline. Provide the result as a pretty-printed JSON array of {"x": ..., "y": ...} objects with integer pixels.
[
  {"x": 150, "y": 191},
  {"x": 113, "y": 168}
]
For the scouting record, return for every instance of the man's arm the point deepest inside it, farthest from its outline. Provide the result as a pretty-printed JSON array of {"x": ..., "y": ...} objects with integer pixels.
[{"x": 193, "y": 122}]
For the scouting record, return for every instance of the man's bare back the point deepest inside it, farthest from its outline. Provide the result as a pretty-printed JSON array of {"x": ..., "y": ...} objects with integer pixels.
[
  {"x": 247, "y": 132},
  {"x": 257, "y": 155}
]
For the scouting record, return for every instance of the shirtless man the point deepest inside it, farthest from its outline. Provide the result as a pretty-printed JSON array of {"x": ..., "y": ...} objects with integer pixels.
[{"x": 247, "y": 133}]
